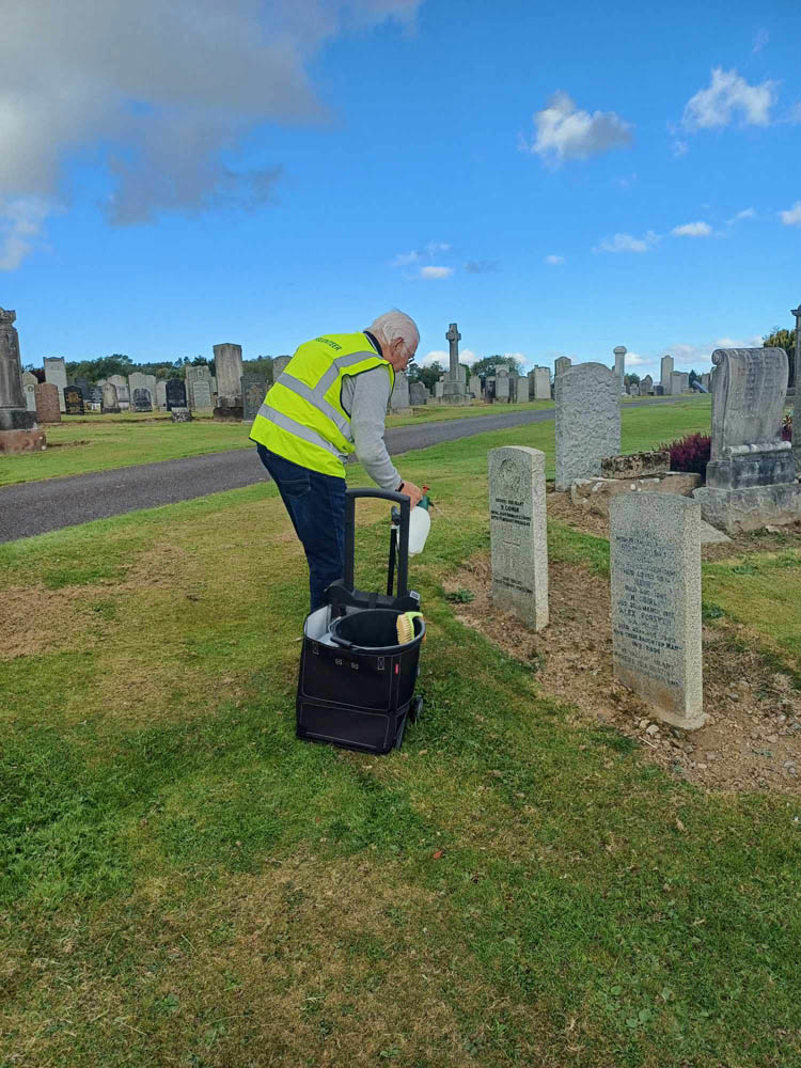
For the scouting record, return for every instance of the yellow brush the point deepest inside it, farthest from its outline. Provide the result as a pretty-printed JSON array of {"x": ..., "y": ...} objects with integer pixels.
[{"x": 404, "y": 626}]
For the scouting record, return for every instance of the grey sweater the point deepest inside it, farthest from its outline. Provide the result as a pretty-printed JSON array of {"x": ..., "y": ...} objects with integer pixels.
[{"x": 365, "y": 397}]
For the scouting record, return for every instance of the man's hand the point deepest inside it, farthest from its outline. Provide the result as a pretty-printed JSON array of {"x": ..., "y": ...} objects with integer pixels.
[{"x": 414, "y": 493}]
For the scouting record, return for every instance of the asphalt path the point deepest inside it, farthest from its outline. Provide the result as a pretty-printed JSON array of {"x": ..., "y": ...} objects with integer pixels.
[{"x": 36, "y": 507}]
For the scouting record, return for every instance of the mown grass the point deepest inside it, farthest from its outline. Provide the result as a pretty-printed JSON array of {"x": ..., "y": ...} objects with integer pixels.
[
  {"x": 185, "y": 883},
  {"x": 79, "y": 445}
]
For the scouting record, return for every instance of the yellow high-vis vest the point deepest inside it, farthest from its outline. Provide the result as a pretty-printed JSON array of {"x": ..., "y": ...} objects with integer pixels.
[{"x": 303, "y": 418}]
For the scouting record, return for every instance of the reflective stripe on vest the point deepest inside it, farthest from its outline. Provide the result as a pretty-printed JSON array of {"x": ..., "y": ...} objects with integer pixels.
[{"x": 302, "y": 417}]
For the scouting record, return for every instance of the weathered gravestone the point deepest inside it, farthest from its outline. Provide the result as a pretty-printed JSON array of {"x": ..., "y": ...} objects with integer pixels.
[
  {"x": 502, "y": 385},
  {"x": 56, "y": 372},
  {"x": 279, "y": 363},
  {"x": 399, "y": 398},
  {"x": 48, "y": 406},
  {"x": 679, "y": 383},
  {"x": 181, "y": 415},
  {"x": 439, "y": 386},
  {"x": 666, "y": 374},
  {"x": 254, "y": 389},
  {"x": 142, "y": 401},
  {"x": 418, "y": 394},
  {"x": 201, "y": 373},
  {"x": 474, "y": 386},
  {"x": 73, "y": 400},
  {"x": 201, "y": 394},
  {"x": 110, "y": 404},
  {"x": 454, "y": 389},
  {"x": 96, "y": 398},
  {"x": 228, "y": 365},
  {"x": 161, "y": 394},
  {"x": 518, "y": 536},
  {"x": 542, "y": 383},
  {"x": 634, "y": 390},
  {"x": 587, "y": 421},
  {"x": 176, "y": 394},
  {"x": 646, "y": 386},
  {"x": 522, "y": 387},
  {"x": 655, "y": 545},
  {"x": 29, "y": 383},
  {"x": 561, "y": 363},
  {"x": 18, "y": 426},
  {"x": 750, "y": 478},
  {"x": 620, "y": 366}
]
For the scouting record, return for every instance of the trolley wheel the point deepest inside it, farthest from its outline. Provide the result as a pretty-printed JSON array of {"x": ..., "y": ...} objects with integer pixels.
[
  {"x": 416, "y": 709},
  {"x": 399, "y": 739}
]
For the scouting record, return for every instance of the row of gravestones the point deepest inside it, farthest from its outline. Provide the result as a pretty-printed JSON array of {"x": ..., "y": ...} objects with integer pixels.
[
  {"x": 655, "y": 542},
  {"x": 655, "y": 538}
]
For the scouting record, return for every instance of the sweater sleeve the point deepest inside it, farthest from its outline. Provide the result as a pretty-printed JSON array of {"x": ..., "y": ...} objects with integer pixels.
[{"x": 370, "y": 398}]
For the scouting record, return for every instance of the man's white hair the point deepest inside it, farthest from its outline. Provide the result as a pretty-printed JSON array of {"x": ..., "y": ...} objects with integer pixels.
[{"x": 395, "y": 324}]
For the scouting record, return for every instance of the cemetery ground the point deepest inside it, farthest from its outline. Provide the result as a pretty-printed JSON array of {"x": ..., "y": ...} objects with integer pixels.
[
  {"x": 526, "y": 883},
  {"x": 80, "y": 444}
]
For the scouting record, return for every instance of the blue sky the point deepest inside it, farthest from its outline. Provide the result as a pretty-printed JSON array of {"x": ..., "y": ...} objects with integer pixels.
[{"x": 558, "y": 179}]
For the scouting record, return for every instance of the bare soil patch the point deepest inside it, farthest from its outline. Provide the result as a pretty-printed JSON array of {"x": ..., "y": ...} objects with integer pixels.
[
  {"x": 773, "y": 539},
  {"x": 35, "y": 620},
  {"x": 752, "y": 740}
]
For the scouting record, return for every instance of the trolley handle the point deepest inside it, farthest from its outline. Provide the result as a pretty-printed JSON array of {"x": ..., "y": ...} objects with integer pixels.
[{"x": 402, "y": 499}]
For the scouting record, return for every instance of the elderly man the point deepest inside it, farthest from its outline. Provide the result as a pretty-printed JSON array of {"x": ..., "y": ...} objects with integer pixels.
[{"x": 329, "y": 402}]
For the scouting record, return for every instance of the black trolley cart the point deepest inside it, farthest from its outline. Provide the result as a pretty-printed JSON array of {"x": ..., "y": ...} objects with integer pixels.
[{"x": 356, "y": 683}]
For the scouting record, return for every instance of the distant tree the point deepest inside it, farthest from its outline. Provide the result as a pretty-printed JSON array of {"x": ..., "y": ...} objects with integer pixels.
[
  {"x": 262, "y": 365},
  {"x": 488, "y": 365},
  {"x": 632, "y": 379},
  {"x": 38, "y": 372},
  {"x": 102, "y": 367},
  {"x": 428, "y": 375},
  {"x": 783, "y": 339}
]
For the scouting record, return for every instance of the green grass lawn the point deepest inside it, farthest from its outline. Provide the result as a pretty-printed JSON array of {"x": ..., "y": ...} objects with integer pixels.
[
  {"x": 184, "y": 883},
  {"x": 102, "y": 443}
]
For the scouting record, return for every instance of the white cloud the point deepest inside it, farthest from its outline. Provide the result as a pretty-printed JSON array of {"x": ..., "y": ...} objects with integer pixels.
[
  {"x": 405, "y": 259},
  {"x": 628, "y": 243},
  {"x": 698, "y": 356},
  {"x": 436, "y": 272},
  {"x": 443, "y": 357},
  {"x": 161, "y": 94},
  {"x": 729, "y": 95},
  {"x": 564, "y": 132},
  {"x": 693, "y": 229},
  {"x": 633, "y": 359},
  {"x": 21, "y": 226},
  {"x": 679, "y": 148},
  {"x": 481, "y": 266},
  {"x": 746, "y": 213},
  {"x": 792, "y": 217},
  {"x": 761, "y": 38},
  {"x": 555, "y": 261}
]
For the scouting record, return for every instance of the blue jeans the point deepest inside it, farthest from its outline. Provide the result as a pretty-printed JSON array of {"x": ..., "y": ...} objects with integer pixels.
[{"x": 316, "y": 506}]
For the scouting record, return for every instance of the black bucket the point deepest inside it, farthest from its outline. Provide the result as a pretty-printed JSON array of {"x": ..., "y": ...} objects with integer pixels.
[{"x": 375, "y": 630}]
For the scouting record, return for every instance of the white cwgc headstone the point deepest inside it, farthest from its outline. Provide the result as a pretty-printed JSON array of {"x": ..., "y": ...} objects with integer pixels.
[
  {"x": 587, "y": 421},
  {"x": 655, "y": 544},
  {"x": 518, "y": 534},
  {"x": 56, "y": 372}
]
